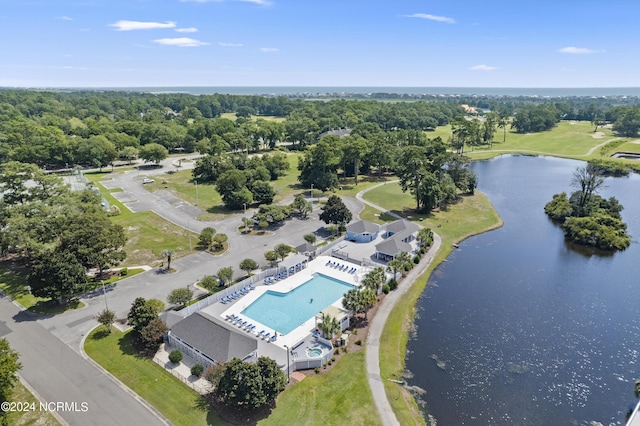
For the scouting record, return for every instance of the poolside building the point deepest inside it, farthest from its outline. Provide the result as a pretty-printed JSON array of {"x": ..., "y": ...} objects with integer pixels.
[
  {"x": 362, "y": 231},
  {"x": 207, "y": 340}
]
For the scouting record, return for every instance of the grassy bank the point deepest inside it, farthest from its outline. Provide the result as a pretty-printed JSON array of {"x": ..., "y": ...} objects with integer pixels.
[
  {"x": 473, "y": 215},
  {"x": 340, "y": 397},
  {"x": 178, "y": 403}
]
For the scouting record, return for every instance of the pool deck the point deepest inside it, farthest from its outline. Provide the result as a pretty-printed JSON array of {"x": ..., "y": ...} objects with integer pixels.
[{"x": 302, "y": 332}]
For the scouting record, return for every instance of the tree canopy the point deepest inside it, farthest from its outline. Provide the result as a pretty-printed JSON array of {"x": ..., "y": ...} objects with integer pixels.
[{"x": 247, "y": 385}]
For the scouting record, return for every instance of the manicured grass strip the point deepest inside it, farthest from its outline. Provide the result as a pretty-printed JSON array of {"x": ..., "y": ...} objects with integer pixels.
[
  {"x": 341, "y": 397},
  {"x": 180, "y": 404},
  {"x": 471, "y": 216},
  {"x": 35, "y": 417}
]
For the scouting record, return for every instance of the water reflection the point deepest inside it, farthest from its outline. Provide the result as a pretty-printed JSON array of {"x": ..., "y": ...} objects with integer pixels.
[{"x": 521, "y": 327}]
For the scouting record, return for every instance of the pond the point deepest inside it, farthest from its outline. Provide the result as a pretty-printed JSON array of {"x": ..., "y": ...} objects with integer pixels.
[{"x": 520, "y": 327}]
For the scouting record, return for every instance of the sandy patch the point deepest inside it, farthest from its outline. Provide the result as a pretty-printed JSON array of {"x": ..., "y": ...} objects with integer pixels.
[
  {"x": 636, "y": 141},
  {"x": 598, "y": 135}
]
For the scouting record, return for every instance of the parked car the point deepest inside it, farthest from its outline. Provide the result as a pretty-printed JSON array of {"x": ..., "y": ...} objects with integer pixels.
[{"x": 147, "y": 180}]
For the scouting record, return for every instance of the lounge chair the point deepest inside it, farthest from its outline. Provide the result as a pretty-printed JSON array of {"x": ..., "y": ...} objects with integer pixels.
[
  {"x": 251, "y": 287},
  {"x": 266, "y": 336},
  {"x": 224, "y": 302},
  {"x": 328, "y": 262},
  {"x": 261, "y": 333}
]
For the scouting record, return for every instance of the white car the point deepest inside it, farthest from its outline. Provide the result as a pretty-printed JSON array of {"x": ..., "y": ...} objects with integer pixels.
[{"x": 147, "y": 180}]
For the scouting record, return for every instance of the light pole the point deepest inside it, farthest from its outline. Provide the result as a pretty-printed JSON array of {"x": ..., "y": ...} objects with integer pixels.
[
  {"x": 104, "y": 292},
  {"x": 196, "y": 181},
  {"x": 244, "y": 206},
  {"x": 288, "y": 372}
]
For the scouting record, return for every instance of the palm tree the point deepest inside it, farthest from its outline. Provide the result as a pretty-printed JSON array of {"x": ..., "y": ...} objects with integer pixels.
[
  {"x": 425, "y": 237},
  {"x": 374, "y": 279},
  {"x": 403, "y": 257},
  {"x": 352, "y": 301},
  {"x": 368, "y": 298},
  {"x": 168, "y": 254},
  {"x": 503, "y": 122},
  {"x": 329, "y": 326},
  {"x": 394, "y": 266}
]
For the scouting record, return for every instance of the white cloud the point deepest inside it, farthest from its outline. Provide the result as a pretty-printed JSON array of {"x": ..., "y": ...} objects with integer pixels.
[
  {"x": 483, "y": 68},
  {"x": 181, "y": 42},
  {"x": 223, "y": 44},
  {"x": 269, "y": 49},
  {"x": 65, "y": 18},
  {"x": 187, "y": 30},
  {"x": 576, "y": 50},
  {"x": 137, "y": 25},
  {"x": 431, "y": 17}
]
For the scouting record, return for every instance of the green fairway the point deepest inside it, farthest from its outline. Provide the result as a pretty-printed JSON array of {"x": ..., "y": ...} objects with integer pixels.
[
  {"x": 180, "y": 404},
  {"x": 572, "y": 139},
  {"x": 147, "y": 233},
  {"x": 341, "y": 397}
]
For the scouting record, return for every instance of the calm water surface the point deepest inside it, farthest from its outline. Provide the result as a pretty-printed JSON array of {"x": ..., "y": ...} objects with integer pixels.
[{"x": 517, "y": 327}]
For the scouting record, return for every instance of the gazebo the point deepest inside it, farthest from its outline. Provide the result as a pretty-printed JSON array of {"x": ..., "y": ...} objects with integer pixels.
[{"x": 292, "y": 264}]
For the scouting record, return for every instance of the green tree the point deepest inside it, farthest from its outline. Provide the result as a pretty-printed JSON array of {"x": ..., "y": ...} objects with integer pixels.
[
  {"x": 628, "y": 123},
  {"x": 352, "y": 301},
  {"x": 335, "y": 211},
  {"x": 504, "y": 120},
  {"x": 425, "y": 237},
  {"x": 219, "y": 240},
  {"x": 9, "y": 367},
  {"x": 153, "y": 152},
  {"x": 354, "y": 149},
  {"x": 129, "y": 153},
  {"x": 97, "y": 151},
  {"x": 271, "y": 256},
  {"x": 489, "y": 128},
  {"x": 395, "y": 265},
  {"x": 301, "y": 204},
  {"x": 157, "y": 305},
  {"x": 56, "y": 275},
  {"x": 247, "y": 385},
  {"x": 151, "y": 334},
  {"x": 180, "y": 296},
  {"x": 319, "y": 165},
  {"x": 210, "y": 283},
  {"x": 559, "y": 208},
  {"x": 168, "y": 254},
  {"x": 248, "y": 265},
  {"x": 282, "y": 250},
  {"x": 262, "y": 192},
  {"x": 106, "y": 318},
  {"x": 206, "y": 237},
  {"x": 225, "y": 274},
  {"x": 310, "y": 238},
  {"x": 375, "y": 279},
  {"x": 141, "y": 314}
]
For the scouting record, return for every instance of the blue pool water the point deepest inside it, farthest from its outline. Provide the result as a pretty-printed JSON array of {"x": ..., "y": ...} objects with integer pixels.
[{"x": 283, "y": 312}]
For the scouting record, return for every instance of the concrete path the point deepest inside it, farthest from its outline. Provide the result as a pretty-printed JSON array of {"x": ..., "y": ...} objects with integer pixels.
[
  {"x": 372, "y": 359},
  {"x": 359, "y": 197}
]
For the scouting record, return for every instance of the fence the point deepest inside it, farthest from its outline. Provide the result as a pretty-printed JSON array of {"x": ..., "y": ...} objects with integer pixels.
[
  {"x": 332, "y": 244},
  {"x": 201, "y": 304}
]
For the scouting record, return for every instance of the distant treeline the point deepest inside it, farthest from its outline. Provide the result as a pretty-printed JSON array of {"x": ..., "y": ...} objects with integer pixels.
[{"x": 93, "y": 128}]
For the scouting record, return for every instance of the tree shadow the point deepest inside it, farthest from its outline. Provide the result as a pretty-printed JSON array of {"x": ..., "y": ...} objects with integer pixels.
[
  {"x": 100, "y": 334},
  {"x": 216, "y": 410}
]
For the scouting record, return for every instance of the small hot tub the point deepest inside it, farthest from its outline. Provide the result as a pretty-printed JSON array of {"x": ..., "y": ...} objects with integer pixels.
[{"x": 315, "y": 352}]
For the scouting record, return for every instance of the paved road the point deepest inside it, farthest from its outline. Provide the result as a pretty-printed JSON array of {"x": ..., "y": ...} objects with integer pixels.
[
  {"x": 378, "y": 322},
  {"x": 61, "y": 375}
]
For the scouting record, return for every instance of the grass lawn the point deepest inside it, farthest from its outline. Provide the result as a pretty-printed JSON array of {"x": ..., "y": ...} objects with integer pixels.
[
  {"x": 568, "y": 139},
  {"x": 474, "y": 214},
  {"x": 147, "y": 233},
  {"x": 177, "y": 402},
  {"x": 340, "y": 397},
  {"x": 35, "y": 417},
  {"x": 232, "y": 116}
]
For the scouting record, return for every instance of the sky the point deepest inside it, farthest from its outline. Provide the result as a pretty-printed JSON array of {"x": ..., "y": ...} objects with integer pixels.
[{"x": 399, "y": 43}]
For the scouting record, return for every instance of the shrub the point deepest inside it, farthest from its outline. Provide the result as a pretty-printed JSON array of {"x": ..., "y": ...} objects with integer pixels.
[
  {"x": 210, "y": 283},
  {"x": 393, "y": 284},
  {"x": 386, "y": 289},
  {"x": 330, "y": 362},
  {"x": 345, "y": 350},
  {"x": 175, "y": 356},
  {"x": 197, "y": 370},
  {"x": 124, "y": 272},
  {"x": 214, "y": 373},
  {"x": 408, "y": 266},
  {"x": 336, "y": 351},
  {"x": 333, "y": 359},
  {"x": 423, "y": 250},
  {"x": 359, "y": 342},
  {"x": 416, "y": 259},
  {"x": 317, "y": 370},
  {"x": 114, "y": 210}
]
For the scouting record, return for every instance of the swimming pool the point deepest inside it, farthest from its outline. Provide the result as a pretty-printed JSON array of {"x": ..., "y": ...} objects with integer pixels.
[{"x": 283, "y": 312}]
